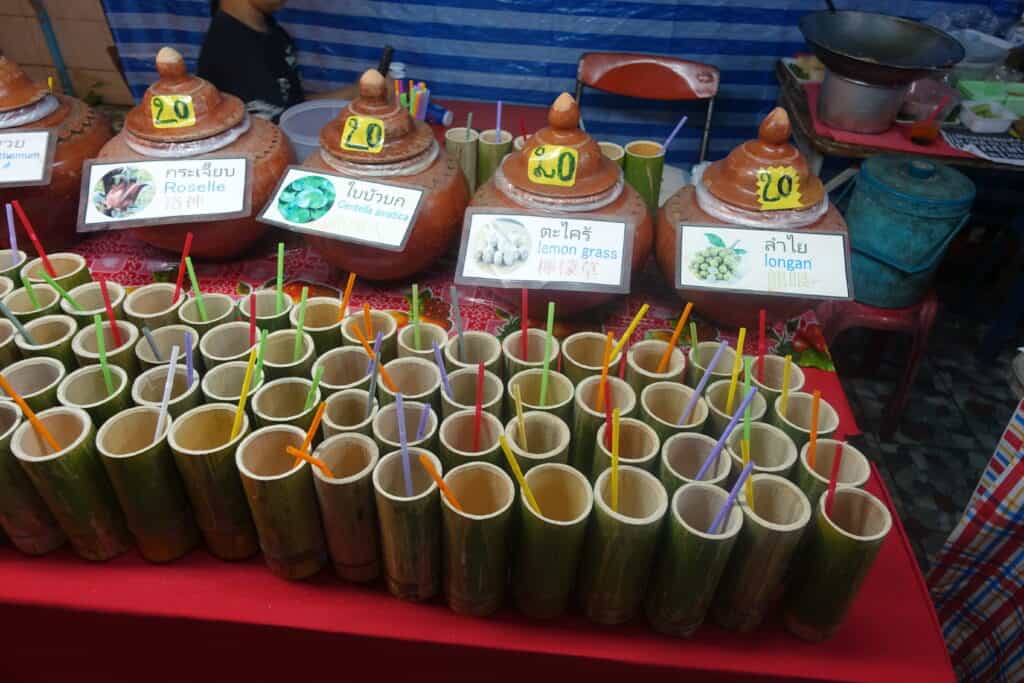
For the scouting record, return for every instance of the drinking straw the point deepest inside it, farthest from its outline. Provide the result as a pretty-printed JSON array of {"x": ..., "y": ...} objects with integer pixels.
[
  {"x": 373, "y": 386},
  {"x": 17, "y": 324},
  {"x": 110, "y": 313},
  {"x": 615, "y": 460},
  {"x": 606, "y": 359},
  {"x": 479, "y": 410},
  {"x": 663, "y": 363},
  {"x": 421, "y": 428},
  {"x": 318, "y": 375},
  {"x": 813, "y": 442},
  {"x": 730, "y": 500},
  {"x": 252, "y": 318},
  {"x": 12, "y": 235},
  {"x": 376, "y": 349},
  {"x": 518, "y": 473},
  {"x": 380, "y": 367},
  {"x": 196, "y": 292},
  {"x": 29, "y": 289},
  {"x": 672, "y": 135},
  {"x": 445, "y": 491},
  {"x": 416, "y": 316},
  {"x": 469, "y": 125},
  {"x": 547, "y": 354},
  {"x": 761, "y": 324},
  {"x": 189, "y": 369},
  {"x": 746, "y": 390},
  {"x": 497, "y": 125},
  {"x": 35, "y": 239},
  {"x": 60, "y": 290},
  {"x": 522, "y": 128},
  {"x": 693, "y": 338},
  {"x": 246, "y": 381},
  {"x": 749, "y": 488},
  {"x": 101, "y": 349},
  {"x": 785, "y": 385},
  {"x": 720, "y": 444},
  {"x": 630, "y": 330},
  {"x": 152, "y": 343},
  {"x": 440, "y": 366},
  {"x": 161, "y": 417},
  {"x": 737, "y": 362},
  {"x": 280, "y": 277},
  {"x": 181, "y": 267},
  {"x": 524, "y": 300},
  {"x": 406, "y": 470},
  {"x": 30, "y": 414},
  {"x": 519, "y": 417},
  {"x": 316, "y": 462},
  {"x": 705, "y": 378},
  {"x": 833, "y": 478},
  {"x": 458, "y": 324},
  {"x": 367, "y": 320},
  {"x": 297, "y": 351},
  {"x": 343, "y": 308},
  {"x": 307, "y": 441},
  {"x": 608, "y": 417}
]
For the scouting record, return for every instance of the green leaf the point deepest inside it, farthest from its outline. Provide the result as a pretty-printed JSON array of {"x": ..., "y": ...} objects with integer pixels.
[
  {"x": 740, "y": 251},
  {"x": 812, "y": 358},
  {"x": 714, "y": 239}
]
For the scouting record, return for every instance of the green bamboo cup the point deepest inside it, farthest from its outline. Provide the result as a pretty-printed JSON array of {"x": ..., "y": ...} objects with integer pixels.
[
  {"x": 854, "y": 470},
  {"x": 691, "y": 560},
  {"x": 583, "y": 355},
  {"x": 204, "y": 453},
  {"x": 619, "y": 549},
  {"x": 165, "y": 338},
  {"x": 284, "y": 402},
  {"x": 643, "y": 166},
  {"x": 410, "y": 526},
  {"x": 268, "y": 316},
  {"x": 384, "y": 427},
  {"x": 697, "y": 363},
  {"x": 347, "y": 508},
  {"x": 279, "y": 360},
  {"x": 642, "y": 361},
  {"x": 11, "y": 262},
  {"x": 476, "y": 537},
  {"x": 771, "y": 450},
  {"x": 321, "y": 323},
  {"x": 430, "y": 334},
  {"x": 53, "y": 335},
  {"x": 70, "y": 270},
  {"x": 86, "y": 388},
  {"x": 683, "y": 455},
  {"x": 148, "y": 486},
  {"x": 616, "y": 153},
  {"x": 417, "y": 379},
  {"x": 148, "y": 390},
  {"x": 840, "y": 549},
  {"x": 89, "y": 297},
  {"x": 797, "y": 421},
  {"x": 219, "y": 308},
  {"x": 478, "y": 347},
  {"x": 381, "y": 321},
  {"x": 774, "y": 371},
  {"x": 23, "y": 514},
  {"x": 559, "y": 401},
  {"x": 639, "y": 447},
  {"x": 461, "y": 145},
  {"x": 587, "y": 418},
  {"x": 20, "y": 303},
  {"x": 9, "y": 352},
  {"x": 346, "y": 412},
  {"x": 282, "y": 500},
  {"x": 153, "y": 305},
  {"x": 771, "y": 533},
  {"x": 223, "y": 384},
  {"x": 717, "y": 396},
  {"x": 73, "y": 483},
  {"x": 512, "y": 351},
  {"x": 456, "y": 435},
  {"x": 344, "y": 368},
  {"x": 6, "y": 286},
  {"x": 491, "y": 148},
  {"x": 86, "y": 350},
  {"x": 225, "y": 343},
  {"x": 463, "y": 384},
  {"x": 35, "y": 380},
  {"x": 662, "y": 404},
  {"x": 549, "y": 542},
  {"x": 547, "y": 439}
]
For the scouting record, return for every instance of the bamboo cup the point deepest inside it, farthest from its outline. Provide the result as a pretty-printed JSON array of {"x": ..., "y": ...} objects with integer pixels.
[
  {"x": 476, "y": 543},
  {"x": 226, "y": 343},
  {"x": 642, "y": 365},
  {"x": 20, "y": 303},
  {"x": 717, "y": 395},
  {"x": 619, "y": 548},
  {"x": 321, "y": 322},
  {"x": 36, "y": 380},
  {"x": 53, "y": 334},
  {"x": 282, "y": 501},
  {"x": 642, "y": 167},
  {"x": 347, "y": 508},
  {"x": 491, "y": 148},
  {"x": 346, "y": 413},
  {"x": 691, "y": 560},
  {"x": 204, "y": 453},
  {"x": 279, "y": 354},
  {"x": 639, "y": 446},
  {"x": 344, "y": 368},
  {"x": 854, "y": 469},
  {"x": 148, "y": 390},
  {"x": 547, "y": 440},
  {"x": 559, "y": 399},
  {"x": 836, "y": 558},
  {"x": 165, "y": 338},
  {"x": 682, "y": 456},
  {"x": 153, "y": 305},
  {"x": 662, "y": 404},
  {"x": 417, "y": 379},
  {"x": 797, "y": 422},
  {"x": 86, "y": 351},
  {"x": 223, "y": 384},
  {"x": 85, "y": 388},
  {"x": 90, "y": 298},
  {"x": 587, "y": 419},
  {"x": 771, "y": 450},
  {"x": 549, "y": 542},
  {"x": 70, "y": 270},
  {"x": 771, "y": 533},
  {"x": 429, "y": 335},
  {"x": 23, "y": 514},
  {"x": 382, "y": 321},
  {"x": 479, "y": 347},
  {"x": 617, "y": 153},
  {"x": 698, "y": 362},
  {"x": 283, "y": 402},
  {"x": 11, "y": 262},
  {"x": 267, "y": 316},
  {"x": 410, "y": 526},
  {"x": 512, "y": 351},
  {"x": 73, "y": 483},
  {"x": 147, "y": 484},
  {"x": 456, "y": 436},
  {"x": 463, "y": 384},
  {"x": 9, "y": 352},
  {"x": 461, "y": 145},
  {"x": 220, "y": 308},
  {"x": 6, "y": 286},
  {"x": 583, "y": 354},
  {"x": 774, "y": 370},
  {"x": 384, "y": 427}
]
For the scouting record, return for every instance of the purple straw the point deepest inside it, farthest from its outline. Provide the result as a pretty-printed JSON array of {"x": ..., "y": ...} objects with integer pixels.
[
  {"x": 421, "y": 430},
  {"x": 725, "y": 434},
  {"x": 440, "y": 366},
  {"x": 13, "y": 235},
  {"x": 189, "y": 370},
  {"x": 376, "y": 350},
  {"x": 731, "y": 500},
  {"x": 497, "y": 126},
  {"x": 703, "y": 383},
  {"x": 406, "y": 470},
  {"x": 672, "y": 135}
]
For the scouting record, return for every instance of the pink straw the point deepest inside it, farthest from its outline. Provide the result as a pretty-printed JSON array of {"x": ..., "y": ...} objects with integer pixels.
[
  {"x": 479, "y": 413},
  {"x": 834, "y": 479},
  {"x": 181, "y": 267}
]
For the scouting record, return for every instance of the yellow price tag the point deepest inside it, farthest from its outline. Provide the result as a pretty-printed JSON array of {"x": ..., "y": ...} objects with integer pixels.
[
  {"x": 778, "y": 187},
  {"x": 363, "y": 134},
  {"x": 172, "y": 111},
  {"x": 553, "y": 165}
]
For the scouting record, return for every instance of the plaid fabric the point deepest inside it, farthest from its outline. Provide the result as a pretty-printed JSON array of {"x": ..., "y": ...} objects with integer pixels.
[{"x": 977, "y": 581}]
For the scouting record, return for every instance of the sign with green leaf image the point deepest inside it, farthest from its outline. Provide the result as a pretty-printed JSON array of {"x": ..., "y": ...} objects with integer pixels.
[{"x": 717, "y": 262}]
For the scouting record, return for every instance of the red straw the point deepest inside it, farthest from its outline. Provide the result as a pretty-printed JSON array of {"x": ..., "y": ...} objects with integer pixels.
[
  {"x": 524, "y": 323},
  {"x": 35, "y": 239},
  {"x": 252, "y": 318},
  {"x": 836, "y": 459},
  {"x": 181, "y": 267},
  {"x": 522, "y": 127},
  {"x": 478, "y": 415},
  {"x": 760, "y": 345},
  {"x": 622, "y": 362},
  {"x": 110, "y": 313},
  {"x": 608, "y": 415}
]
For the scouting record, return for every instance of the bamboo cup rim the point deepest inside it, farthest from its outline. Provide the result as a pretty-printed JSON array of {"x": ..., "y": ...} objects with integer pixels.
[
  {"x": 219, "y": 307},
  {"x": 650, "y": 404},
  {"x": 798, "y": 413},
  {"x": 266, "y": 305},
  {"x": 69, "y": 426},
  {"x": 90, "y": 377},
  {"x": 473, "y": 341},
  {"x": 456, "y": 433},
  {"x": 623, "y": 396},
  {"x": 384, "y": 424},
  {"x": 6, "y": 331},
  {"x": 33, "y": 376},
  {"x": 350, "y": 397},
  {"x": 717, "y": 394},
  {"x": 642, "y": 498},
  {"x": 381, "y": 320},
  {"x": 261, "y": 455},
  {"x": 535, "y": 421},
  {"x": 89, "y": 296},
  {"x": 854, "y": 470},
  {"x": 51, "y": 330},
  {"x": 387, "y": 476},
  {"x": 644, "y": 356},
  {"x": 774, "y": 368},
  {"x": 10, "y": 418},
  {"x": 464, "y": 380},
  {"x": 235, "y": 367},
  {"x": 670, "y": 455},
  {"x": 64, "y": 263},
  {"x": 419, "y": 375},
  {"x": 117, "y": 440},
  {"x": 491, "y": 137},
  {"x": 294, "y": 391},
  {"x": 635, "y": 436},
  {"x": 706, "y": 351},
  {"x": 281, "y": 345},
  {"x": 166, "y": 337},
  {"x": 6, "y": 286},
  {"x": 630, "y": 149},
  {"x": 336, "y": 364},
  {"x": 543, "y": 481},
  {"x": 536, "y": 339},
  {"x": 83, "y": 344},
  {"x": 560, "y": 389},
  {"x": 458, "y": 134},
  {"x": 586, "y": 350},
  {"x": 766, "y": 456},
  {"x": 321, "y": 313},
  {"x": 152, "y": 300},
  {"x": 155, "y": 378},
  {"x": 428, "y": 332},
  {"x": 857, "y": 515},
  {"x": 328, "y": 451},
  {"x": 787, "y": 509},
  {"x": 228, "y": 347},
  {"x": 479, "y": 486},
  {"x": 695, "y": 505},
  {"x": 5, "y": 259},
  {"x": 195, "y": 413},
  {"x": 20, "y": 303}
]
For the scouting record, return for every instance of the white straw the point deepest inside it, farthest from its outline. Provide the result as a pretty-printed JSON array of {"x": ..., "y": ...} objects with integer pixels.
[{"x": 168, "y": 385}]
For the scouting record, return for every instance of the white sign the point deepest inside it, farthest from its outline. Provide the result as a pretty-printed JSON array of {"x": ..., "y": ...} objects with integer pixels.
[
  {"x": 806, "y": 264},
  {"x": 348, "y": 209},
  {"x": 545, "y": 251},
  {"x": 127, "y": 194},
  {"x": 26, "y": 157}
]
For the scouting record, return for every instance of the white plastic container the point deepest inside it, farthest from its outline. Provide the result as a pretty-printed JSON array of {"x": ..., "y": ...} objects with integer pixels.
[
  {"x": 999, "y": 123},
  {"x": 983, "y": 54},
  {"x": 302, "y": 123}
]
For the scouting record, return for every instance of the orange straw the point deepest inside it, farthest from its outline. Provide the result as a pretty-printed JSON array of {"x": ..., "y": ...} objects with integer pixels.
[
  {"x": 429, "y": 467},
  {"x": 316, "y": 462},
  {"x": 604, "y": 371},
  {"x": 36, "y": 424},
  {"x": 314, "y": 425},
  {"x": 347, "y": 295},
  {"x": 380, "y": 366},
  {"x": 813, "y": 443},
  {"x": 663, "y": 363},
  {"x": 367, "y": 321}
]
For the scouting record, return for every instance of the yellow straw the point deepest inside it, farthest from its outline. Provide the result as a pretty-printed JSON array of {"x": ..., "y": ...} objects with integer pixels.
[
  {"x": 237, "y": 426},
  {"x": 630, "y": 330},
  {"x": 514, "y": 464},
  {"x": 748, "y": 486},
  {"x": 785, "y": 386},
  {"x": 736, "y": 370},
  {"x": 615, "y": 460},
  {"x": 519, "y": 418}
]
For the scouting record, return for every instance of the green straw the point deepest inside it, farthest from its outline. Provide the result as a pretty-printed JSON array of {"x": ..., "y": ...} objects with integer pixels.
[
  {"x": 101, "y": 349},
  {"x": 693, "y": 340},
  {"x": 27, "y": 284},
  {"x": 60, "y": 290},
  {"x": 280, "y": 277},
  {"x": 317, "y": 375},
  {"x": 746, "y": 390},
  {"x": 196, "y": 292},
  {"x": 258, "y": 372},
  {"x": 17, "y": 324},
  {"x": 301, "y": 323},
  {"x": 547, "y": 354},
  {"x": 416, "y": 316}
]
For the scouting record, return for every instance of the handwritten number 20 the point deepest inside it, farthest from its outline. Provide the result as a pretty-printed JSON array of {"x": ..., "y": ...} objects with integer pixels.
[
  {"x": 783, "y": 187},
  {"x": 181, "y": 112},
  {"x": 373, "y": 135}
]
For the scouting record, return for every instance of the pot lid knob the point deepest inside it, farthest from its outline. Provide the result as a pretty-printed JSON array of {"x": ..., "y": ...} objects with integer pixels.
[
  {"x": 170, "y": 64},
  {"x": 564, "y": 113},
  {"x": 373, "y": 87}
]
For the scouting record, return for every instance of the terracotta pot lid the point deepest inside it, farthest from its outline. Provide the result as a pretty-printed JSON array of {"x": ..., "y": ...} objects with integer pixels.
[
  {"x": 17, "y": 90},
  {"x": 734, "y": 180},
  {"x": 215, "y": 112},
  {"x": 595, "y": 173},
  {"x": 404, "y": 137}
]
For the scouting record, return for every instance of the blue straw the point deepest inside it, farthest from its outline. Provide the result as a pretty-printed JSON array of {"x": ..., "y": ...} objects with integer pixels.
[
  {"x": 725, "y": 435},
  {"x": 440, "y": 366},
  {"x": 152, "y": 343},
  {"x": 406, "y": 469},
  {"x": 421, "y": 430},
  {"x": 672, "y": 135},
  {"x": 458, "y": 324},
  {"x": 703, "y": 383},
  {"x": 373, "y": 374},
  {"x": 189, "y": 368},
  {"x": 17, "y": 324},
  {"x": 12, "y": 235},
  {"x": 497, "y": 125},
  {"x": 731, "y": 500},
  {"x": 376, "y": 349}
]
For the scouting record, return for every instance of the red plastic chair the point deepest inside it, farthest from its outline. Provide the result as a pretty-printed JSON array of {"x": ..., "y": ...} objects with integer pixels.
[{"x": 652, "y": 77}]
